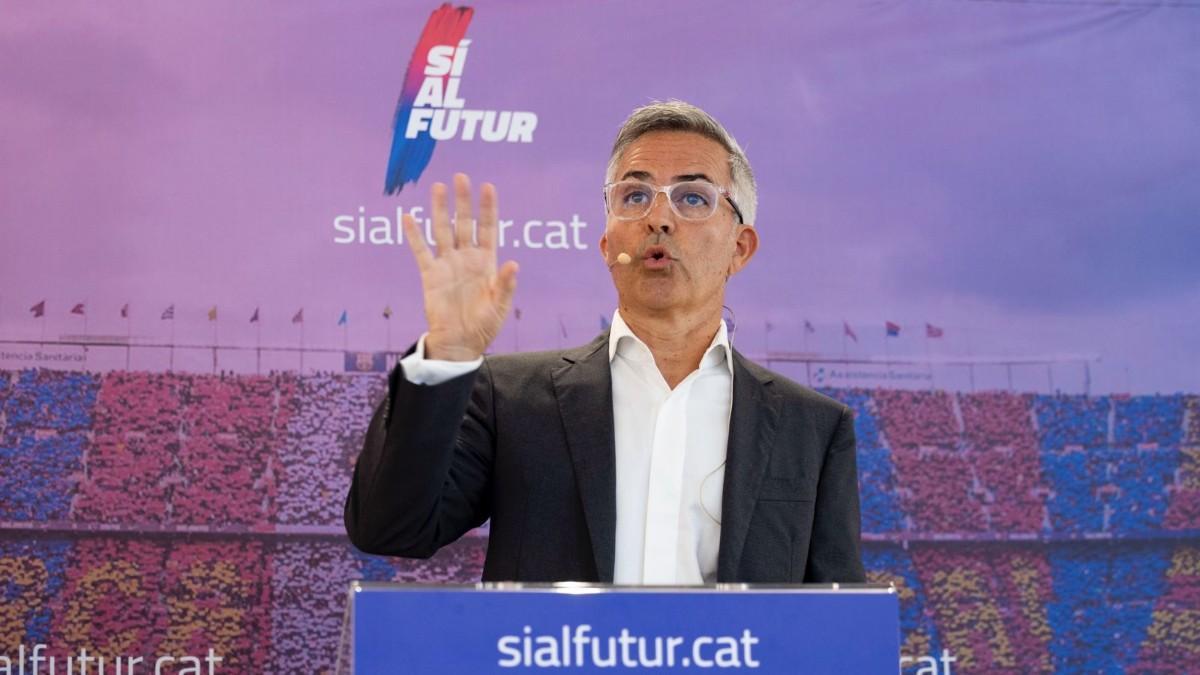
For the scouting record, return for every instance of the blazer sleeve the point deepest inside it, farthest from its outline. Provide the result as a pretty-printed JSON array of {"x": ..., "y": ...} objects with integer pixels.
[
  {"x": 834, "y": 554},
  {"x": 423, "y": 477}
]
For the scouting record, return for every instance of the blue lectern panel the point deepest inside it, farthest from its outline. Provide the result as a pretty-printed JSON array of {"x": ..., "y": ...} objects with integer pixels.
[{"x": 469, "y": 630}]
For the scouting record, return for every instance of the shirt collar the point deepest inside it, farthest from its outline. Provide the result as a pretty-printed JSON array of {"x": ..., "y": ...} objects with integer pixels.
[{"x": 719, "y": 349}]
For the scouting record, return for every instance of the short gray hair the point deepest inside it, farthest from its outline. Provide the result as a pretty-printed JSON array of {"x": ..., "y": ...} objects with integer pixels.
[{"x": 676, "y": 115}]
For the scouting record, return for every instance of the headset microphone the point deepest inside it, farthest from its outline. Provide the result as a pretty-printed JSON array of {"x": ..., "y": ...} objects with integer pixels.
[{"x": 622, "y": 259}]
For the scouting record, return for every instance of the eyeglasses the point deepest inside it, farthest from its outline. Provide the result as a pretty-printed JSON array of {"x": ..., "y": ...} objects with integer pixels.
[{"x": 690, "y": 200}]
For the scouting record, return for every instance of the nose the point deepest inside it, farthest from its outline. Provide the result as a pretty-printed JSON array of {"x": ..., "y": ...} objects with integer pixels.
[{"x": 661, "y": 218}]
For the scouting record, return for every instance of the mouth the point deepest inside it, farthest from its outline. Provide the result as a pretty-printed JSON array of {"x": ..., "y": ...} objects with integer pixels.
[{"x": 656, "y": 257}]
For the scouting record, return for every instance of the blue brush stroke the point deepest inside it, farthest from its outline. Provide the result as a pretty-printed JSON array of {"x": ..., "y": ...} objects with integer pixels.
[{"x": 409, "y": 156}]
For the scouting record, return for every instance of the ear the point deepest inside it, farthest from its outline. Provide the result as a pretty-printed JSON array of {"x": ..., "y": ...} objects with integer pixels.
[
  {"x": 745, "y": 246},
  {"x": 604, "y": 247}
]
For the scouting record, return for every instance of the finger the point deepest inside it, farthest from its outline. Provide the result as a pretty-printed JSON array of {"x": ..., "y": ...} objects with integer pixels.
[
  {"x": 442, "y": 235},
  {"x": 464, "y": 223},
  {"x": 416, "y": 241},
  {"x": 487, "y": 217},
  {"x": 506, "y": 284}
]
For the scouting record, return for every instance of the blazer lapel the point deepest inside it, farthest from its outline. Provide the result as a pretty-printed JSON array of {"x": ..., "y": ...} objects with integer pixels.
[
  {"x": 584, "y": 390},
  {"x": 752, "y": 424}
]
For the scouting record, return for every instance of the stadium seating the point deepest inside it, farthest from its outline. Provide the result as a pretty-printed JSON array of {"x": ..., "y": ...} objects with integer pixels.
[
  {"x": 259, "y": 466},
  {"x": 44, "y": 419},
  {"x": 876, "y": 473},
  {"x": 50, "y": 400},
  {"x": 1183, "y": 504},
  {"x": 997, "y": 418},
  {"x": 1192, "y": 408},
  {"x": 939, "y": 492},
  {"x": 1012, "y": 487},
  {"x": 38, "y": 474},
  {"x": 1066, "y": 420},
  {"x": 911, "y": 419},
  {"x": 1122, "y": 491},
  {"x": 891, "y": 564},
  {"x": 217, "y": 595},
  {"x": 989, "y": 605},
  {"x": 1102, "y": 603},
  {"x": 131, "y": 469},
  {"x": 866, "y": 417},
  {"x": 1172, "y": 642},
  {"x": 1148, "y": 419},
  {"x": 327, "y": 419},
  {"x": 308, "y": 597},
  {"x": 111, "y": 600},
  {"x": 230, "y": 430},
  {"x": 31, "y": 570},
  {"x": 6, "y": 387}
]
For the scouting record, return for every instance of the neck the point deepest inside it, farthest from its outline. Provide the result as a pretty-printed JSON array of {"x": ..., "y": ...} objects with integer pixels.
[{"x": 677, "y": 340}]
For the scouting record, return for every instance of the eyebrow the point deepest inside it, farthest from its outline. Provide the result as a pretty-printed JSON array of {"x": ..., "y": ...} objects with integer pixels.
[{"x": 643, "y": 175}]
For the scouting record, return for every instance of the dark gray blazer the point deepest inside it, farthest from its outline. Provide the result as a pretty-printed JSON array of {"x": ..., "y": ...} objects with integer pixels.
[{"x": 527, "y": 440}]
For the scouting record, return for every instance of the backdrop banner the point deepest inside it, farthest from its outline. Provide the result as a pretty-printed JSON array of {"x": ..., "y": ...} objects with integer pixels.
[{"x": 979, "y": 231}]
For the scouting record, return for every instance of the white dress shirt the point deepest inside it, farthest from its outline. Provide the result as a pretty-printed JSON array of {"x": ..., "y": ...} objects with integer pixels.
[{"x": 670, "y": 455}]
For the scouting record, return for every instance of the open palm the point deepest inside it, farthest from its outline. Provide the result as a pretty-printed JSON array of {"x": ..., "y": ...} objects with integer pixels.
[{"x": 466, "y": 297}]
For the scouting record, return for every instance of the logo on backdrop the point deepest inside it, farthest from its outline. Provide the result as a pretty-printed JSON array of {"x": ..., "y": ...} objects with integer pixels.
[{"x": 431, "y": 107}]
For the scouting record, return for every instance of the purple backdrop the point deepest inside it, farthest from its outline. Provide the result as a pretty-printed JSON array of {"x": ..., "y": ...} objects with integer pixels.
[{"x": 1020, "y": 176}]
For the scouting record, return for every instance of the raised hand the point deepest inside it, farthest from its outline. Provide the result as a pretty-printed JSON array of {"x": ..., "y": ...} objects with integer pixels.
[{"x": 466, "y": 297}]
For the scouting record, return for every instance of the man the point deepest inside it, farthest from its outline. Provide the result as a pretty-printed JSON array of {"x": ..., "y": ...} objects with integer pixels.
[{"x": 657, "y": 453}]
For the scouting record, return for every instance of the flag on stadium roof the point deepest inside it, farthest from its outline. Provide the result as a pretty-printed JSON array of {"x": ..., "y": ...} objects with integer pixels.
[
  {"x": 254, "y": 316},
  {"x": 38, "y": 309},
  {"x": 212, "y": 313},
  {"x": 77, "y": 309},
  {"x": 892, "y": 328},
  {"x": 808, "y": 327},
  {"x": 343, "y": 319},
  {"x": 848, "y": 331},
  {"x": 387, "y": 312},
  {"x": 169, "y": 313},
  {"x": 932, "y": 331},
  {"x": 299, "y": 316},
  {"x": 125, "y": 311}
]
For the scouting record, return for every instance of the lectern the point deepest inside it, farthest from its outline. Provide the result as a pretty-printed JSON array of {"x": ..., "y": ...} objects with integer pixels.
[{"x": 507, "y": 627}]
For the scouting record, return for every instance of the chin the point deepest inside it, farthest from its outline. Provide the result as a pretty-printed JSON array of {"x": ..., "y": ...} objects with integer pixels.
[
  {"x": 657, "y": 299},
  {"x": 657, "y": 292}
]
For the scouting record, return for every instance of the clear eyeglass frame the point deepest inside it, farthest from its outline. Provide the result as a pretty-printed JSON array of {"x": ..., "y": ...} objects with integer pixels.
[{"x": 669, "y": 190}]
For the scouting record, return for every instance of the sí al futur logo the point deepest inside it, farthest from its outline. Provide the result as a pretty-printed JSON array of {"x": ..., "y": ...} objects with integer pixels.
[{"x": 432, "y": 107}]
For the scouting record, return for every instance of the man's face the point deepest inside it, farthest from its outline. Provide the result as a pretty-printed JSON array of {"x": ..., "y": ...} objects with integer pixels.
[{"x": 678, "y": 264}]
